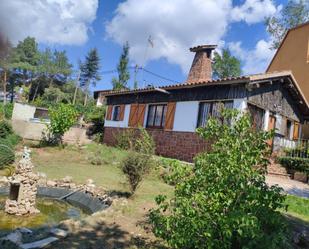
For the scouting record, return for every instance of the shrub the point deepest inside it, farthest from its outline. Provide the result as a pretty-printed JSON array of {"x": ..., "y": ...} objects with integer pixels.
[
  {"x": 125, "y": 139},
  {"x": 144, "y": 143},
  {"x": 135, "y": 166},
  {"x": 6, "y": 110},
  {"x": 7, "y": 155},
  {"x": 62, "y": 117},
  {"x": 5, "y": 129},
  {"x": 175, "y": 171},
  {"x": 225, "y": 203},
  {"x": 295, "y": 163}
]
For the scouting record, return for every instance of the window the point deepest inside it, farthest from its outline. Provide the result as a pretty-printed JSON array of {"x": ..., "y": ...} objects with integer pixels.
[
  {"x": 116, "y": 113},
  {"x": 211, "y": 109},
  {"x": 156, "y": 116},
  {"x": 257, "y": 115},
  {"x": 288, "y": 129}
]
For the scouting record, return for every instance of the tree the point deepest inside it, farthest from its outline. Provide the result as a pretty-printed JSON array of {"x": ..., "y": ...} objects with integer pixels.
[
  {"x": 90, "y": 71},
  {"x": 226, "y": 65},
  {"x": 292, "y": 15},
  {"x": 225, "y": 202},
  {"x": 122, "y": 68},
  {"x": 5, "y": 57}
]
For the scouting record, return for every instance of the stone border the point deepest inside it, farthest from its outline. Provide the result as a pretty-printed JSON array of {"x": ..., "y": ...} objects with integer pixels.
[{"x": 80, "y": 199}]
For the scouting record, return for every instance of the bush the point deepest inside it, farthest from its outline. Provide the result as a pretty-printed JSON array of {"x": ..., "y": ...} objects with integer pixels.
[
  {"x": 295, "y": 163},
  {"x": 135, "y": 166},
  {"x": 125, "y": 139},
  {"x": 62, "y": 117},
  {"x": 175, "y": 171},
  {"x": 225, "y": 203},
  {"x": 139, "y": 161},
  {"x": 5, "y": 129},
  {"x": 7, "y": 155}
]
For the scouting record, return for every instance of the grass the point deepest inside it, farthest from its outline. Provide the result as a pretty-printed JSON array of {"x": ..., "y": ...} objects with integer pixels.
[{"x": 298, "y": 207}]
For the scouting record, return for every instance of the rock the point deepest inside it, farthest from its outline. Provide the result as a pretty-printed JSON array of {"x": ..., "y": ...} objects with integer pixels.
[
  {"x": 59, "y": 232},
  {"x": 50, "y": 183},
  {"x": 4, "y": 179},
  {"x": 67, "y": 179},
  {"x": 39, "y": 244},
  {"x": 25, "y": 230},
  {"x": 15, "y": 237},
  {"x": 89, "y": 181}
]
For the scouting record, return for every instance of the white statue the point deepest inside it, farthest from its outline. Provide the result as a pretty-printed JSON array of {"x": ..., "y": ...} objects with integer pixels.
[{"x": 26, "y": 154}]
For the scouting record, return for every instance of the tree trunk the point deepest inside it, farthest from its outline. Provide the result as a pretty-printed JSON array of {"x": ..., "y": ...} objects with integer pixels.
[
  {"x": 4, "y": 88},
  {"x": 76, "y": 88},
  {"x": 36, "y": 91},
  {"x": 86, "y": 98}
]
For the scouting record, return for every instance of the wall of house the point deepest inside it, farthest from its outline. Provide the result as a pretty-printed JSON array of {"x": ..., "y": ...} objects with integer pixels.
[
  {"x": 186, "y": 116},
  {"x": 23, "y": 112},
  {"x": 294, "y": 55},
  {"x": 174, "y": 144}
]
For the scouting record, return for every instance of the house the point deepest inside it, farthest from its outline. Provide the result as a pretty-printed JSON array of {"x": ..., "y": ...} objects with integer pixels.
[
  {"x": 172, "y": 113},
  {"x": 293, "y": 55}
]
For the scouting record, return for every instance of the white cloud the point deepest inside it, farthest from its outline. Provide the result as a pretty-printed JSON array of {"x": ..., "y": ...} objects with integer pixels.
[
  {"x": 254, "y": 11},
  {"x": 179, "y": 24},
  {"x": 255, "y": 60},
  {"x": 49, "y": 21}
]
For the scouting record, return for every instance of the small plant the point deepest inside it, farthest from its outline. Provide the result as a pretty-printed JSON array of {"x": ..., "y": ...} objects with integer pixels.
[
  {"x": 5, "y": 129},
  {"x": 7, "y": 155},
  {"x": 295, "y": 163},
  {"x": 62, "y": 117},
  {"x": 97, "y": 156},
  {"x": 6, "y": 111},
  {"x": 135, "y": 166},
  {"x": 125, "y": 139}
]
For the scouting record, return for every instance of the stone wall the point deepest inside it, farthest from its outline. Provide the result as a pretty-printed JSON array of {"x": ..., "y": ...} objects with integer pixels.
[{"x": 179, "y": 145}]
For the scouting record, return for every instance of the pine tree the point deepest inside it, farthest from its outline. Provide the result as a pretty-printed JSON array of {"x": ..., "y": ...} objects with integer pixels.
[
  {"x": 226, "y": 65},
  {"x": 122, "y": 68},
  {"x": 90, "y": 71},
  {"x": 292, "y": 15}
]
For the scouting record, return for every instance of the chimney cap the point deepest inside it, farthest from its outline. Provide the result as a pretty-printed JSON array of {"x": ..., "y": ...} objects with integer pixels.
[{"x": 202, "y": 47}]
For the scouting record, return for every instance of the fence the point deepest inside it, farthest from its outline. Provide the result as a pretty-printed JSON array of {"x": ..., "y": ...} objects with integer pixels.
[{"x": 298, "y": 148}]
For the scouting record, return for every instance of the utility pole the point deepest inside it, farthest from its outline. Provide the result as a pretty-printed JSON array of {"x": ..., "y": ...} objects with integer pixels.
[
  {"x": 76, "y": 87},
  {"x": 135, "y": 77}
]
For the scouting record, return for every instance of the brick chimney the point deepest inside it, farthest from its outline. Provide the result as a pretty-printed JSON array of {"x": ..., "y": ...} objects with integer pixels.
[{"x": 201, "y": 68}]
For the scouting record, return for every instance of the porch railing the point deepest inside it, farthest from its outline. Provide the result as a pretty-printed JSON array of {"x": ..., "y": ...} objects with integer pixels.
[{"x": 292, "y": 148}]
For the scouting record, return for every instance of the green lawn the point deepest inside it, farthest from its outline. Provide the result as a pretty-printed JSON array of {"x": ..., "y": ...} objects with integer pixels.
[{"x": 298, "y": 207}]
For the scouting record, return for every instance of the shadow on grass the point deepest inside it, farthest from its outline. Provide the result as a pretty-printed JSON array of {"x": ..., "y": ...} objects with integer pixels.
[
  {"x": 120, "y": 194},
  {"x": 300, "y": 231},
  {"x": 107, "y": 236}
]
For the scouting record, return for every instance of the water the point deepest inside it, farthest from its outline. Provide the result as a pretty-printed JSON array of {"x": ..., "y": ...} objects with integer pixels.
[{"x": 51, "y": 213}]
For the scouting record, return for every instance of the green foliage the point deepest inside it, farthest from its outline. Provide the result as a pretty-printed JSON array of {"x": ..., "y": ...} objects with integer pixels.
[
  {"x": 175, "y": 171},
  {"x": 226, "y": 65},
  {"x": 139, "y": 160},
  {"x": 295, "y": 163},
  {"x": 122, "y": 68},
  {"x": 90, "y": 71},
  {"x": 225, "y": 203},
  {"x": 62, "y": 117},
  {"x": 293, "y": 14},
  {"x": 135, "y": 166},
  {"x": 139, "y": 141},
  {"x": 5, "y": 129},
  {"x": 6, "y": 110}
]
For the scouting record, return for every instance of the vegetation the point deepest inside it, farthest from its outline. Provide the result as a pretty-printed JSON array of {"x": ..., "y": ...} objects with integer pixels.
[
  {"x": 122, "y": 68},
  {"x": 291, "y": 15},
  {"x": 226, "y": 65},
  {"x": 139, "y": 160},
  {"x": 90, "y": 71},
  {"x": 62, "y": 117},
  {"x": 295, "y": 163},
  {"x": 225, "y": 203}
]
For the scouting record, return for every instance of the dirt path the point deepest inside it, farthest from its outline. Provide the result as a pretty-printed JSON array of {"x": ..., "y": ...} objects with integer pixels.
[{"x": 290, "y": 186}]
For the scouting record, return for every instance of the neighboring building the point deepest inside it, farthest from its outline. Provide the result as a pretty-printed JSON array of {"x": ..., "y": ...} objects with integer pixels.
[
  {"x": 100, "y": 96},
  {"x": 293, "y": 55},
  {"x": 172, "y": 113}
]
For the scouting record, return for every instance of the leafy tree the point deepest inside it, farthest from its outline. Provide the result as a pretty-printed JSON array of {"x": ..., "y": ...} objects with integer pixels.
[
  {"x": 5, "y": 57},
  {"x": 293, "y": 14},
  {"x": 90, "y": 71},
  {"x": 226, "y": 65},
  {"x": 225, "y": 202},
  {"x": 62, "y": 117},
  {"x": 122, "y": 68}
]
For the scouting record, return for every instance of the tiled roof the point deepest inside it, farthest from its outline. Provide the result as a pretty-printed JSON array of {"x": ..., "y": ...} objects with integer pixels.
[
  {"x": 229, "y": 80},
  {"x": 201, "y": 47}
]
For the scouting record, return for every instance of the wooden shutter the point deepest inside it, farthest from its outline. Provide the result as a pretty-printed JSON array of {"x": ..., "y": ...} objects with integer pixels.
[
  {"x": 109, "y": 112},
  {"x": 121, "y": 114},
  {"x": 170, "y": 114},
  {"x": 133, "y": 115},
  {"x": 296, "y": 131},
  {"x": 141, "y": 115}
]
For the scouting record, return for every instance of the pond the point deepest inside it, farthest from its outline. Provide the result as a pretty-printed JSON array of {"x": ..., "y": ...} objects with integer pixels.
[{"x": 51, "y": 213}]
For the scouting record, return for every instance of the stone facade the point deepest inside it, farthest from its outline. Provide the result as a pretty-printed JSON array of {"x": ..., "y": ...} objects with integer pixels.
[
  {"x": 23, "y": 188},
  {"x": 180, "y": 145}
]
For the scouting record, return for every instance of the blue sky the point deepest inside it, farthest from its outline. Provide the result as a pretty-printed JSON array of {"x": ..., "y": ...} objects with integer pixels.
[{"x": 174, "y": 26}]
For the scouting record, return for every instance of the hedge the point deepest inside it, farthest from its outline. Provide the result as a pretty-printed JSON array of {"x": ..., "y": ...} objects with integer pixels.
[{"x": 295, "y": 163}]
